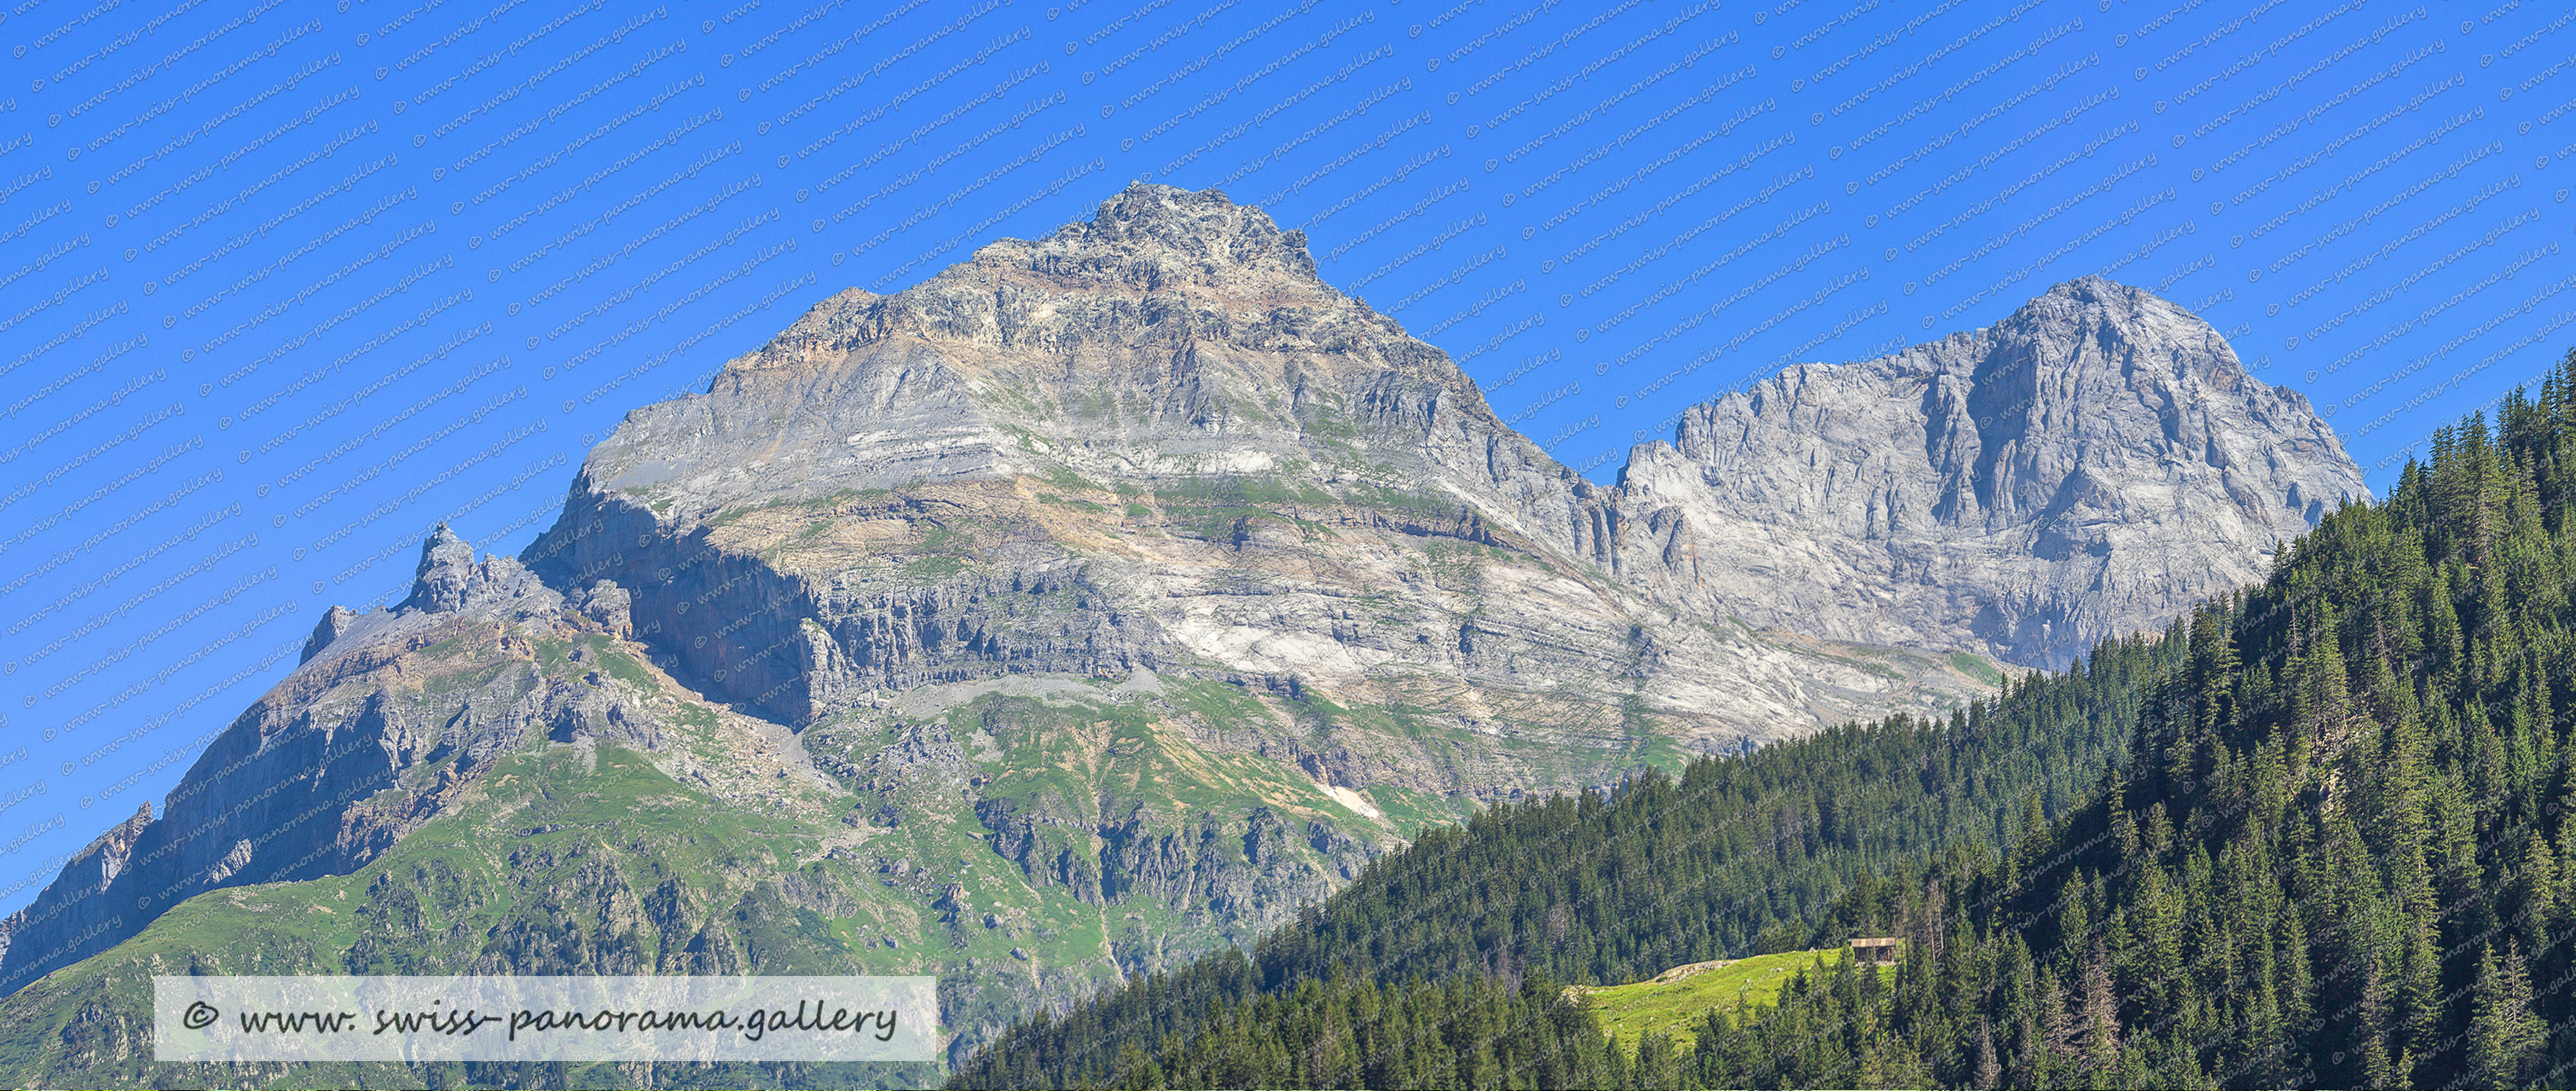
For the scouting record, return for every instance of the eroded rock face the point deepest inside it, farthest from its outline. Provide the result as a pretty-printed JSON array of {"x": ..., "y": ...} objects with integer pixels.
[
  {"x": 2088, "y": 467},
  {"x": 446, "y": 570},
  {"x": 1157, "y": 441}
]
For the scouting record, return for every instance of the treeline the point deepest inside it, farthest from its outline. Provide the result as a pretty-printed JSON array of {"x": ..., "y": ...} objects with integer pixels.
[
  {"x": 1735, "y": 856},
  {"x": 2336, "y": 853},
  {"x": 1466, "y": 1032},
  {"x": 1478, "y": 1032},
  {"x": 2340, "y": 855}
]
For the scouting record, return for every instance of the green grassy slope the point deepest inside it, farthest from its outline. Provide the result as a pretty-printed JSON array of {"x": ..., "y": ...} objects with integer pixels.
[
  {"x": 590, "y": 857},
  {"x": 1674, "y": 1003}
]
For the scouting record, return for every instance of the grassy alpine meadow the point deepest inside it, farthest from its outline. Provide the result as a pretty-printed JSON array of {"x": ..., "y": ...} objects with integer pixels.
[{"x": 1678, "y": 1001}]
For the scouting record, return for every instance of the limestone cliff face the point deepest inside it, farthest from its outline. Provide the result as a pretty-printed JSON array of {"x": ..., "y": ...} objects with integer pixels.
[
  {"x": 2089, "y": 466},
  {"x": 1156, "y": 440}
]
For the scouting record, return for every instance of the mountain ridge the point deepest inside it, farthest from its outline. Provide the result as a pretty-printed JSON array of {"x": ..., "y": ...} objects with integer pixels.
[
  {"x": 2086, "y": 468},
  {"x": 1136, "y": 568}
]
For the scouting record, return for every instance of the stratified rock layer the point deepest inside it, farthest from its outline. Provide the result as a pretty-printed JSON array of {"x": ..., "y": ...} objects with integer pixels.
[{"x": 1157, "y": 440}]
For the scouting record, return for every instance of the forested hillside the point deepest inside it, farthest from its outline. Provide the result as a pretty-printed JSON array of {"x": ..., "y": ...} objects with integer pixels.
[
  {"x": 2335, "y": 853},
  {"x": 2339, "y": 856}
]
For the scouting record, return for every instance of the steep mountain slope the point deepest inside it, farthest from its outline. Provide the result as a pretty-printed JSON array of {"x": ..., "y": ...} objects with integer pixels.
[
  {"x": 495, "y": 778},
  {"x": 2340, "y": 853},
  {"x": 1136, "y": 569},
  {"x": 2089, "y": 466},
  {"x": 2336, "y": 854},
  {"x": 1738, "y": 855},
  {"x": 1156, "y": 440}
]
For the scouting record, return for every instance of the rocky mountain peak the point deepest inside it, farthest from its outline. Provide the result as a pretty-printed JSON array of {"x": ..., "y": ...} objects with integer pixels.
[
  {"x": 1157, "y": 237},
  {"x": 1172, "y": 332},
  {"x": 2067, "y": 311},
  {"x": 446, "y": 568},
  {"x": 449, "y": 579},
  {"x": 2089, "y": 465},
  {"x": 1138, "y": 539},
  {"x": 2165, "y": 335},
  {"x": 1154, "y": 267}
]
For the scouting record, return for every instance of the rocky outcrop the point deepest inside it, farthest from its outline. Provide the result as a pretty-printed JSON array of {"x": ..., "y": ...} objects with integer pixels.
[
  {"x": 335, "y": 621},
  {"x": 2089, "y": 466},
  {"x": 446, "y": 571}
]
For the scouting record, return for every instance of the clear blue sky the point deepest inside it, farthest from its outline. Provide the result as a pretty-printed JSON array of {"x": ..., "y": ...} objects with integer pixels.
[{"x": 282, "y": 285}]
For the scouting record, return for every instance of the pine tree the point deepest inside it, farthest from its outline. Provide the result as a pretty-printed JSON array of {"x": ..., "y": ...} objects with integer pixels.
[
  {"x": 2420, "y": 995},
  {"x": 2297, "y": 993},
  {"x": 2536, "y": 884},
  {"x": 2504, "y": 1036},
  {"x": 1142, "y": 1072},
  {"x": 1989, "y": 1072},
  {"x": 2490, "y": 1026},
  {"x": 1658, "y": 1063},
  {"x": 2031, "y": 1064},
  {"x": 2064, "y": 1029},
  {"x": 2376, "y": 1068},
  {"x": 2101, "y": 1016}
]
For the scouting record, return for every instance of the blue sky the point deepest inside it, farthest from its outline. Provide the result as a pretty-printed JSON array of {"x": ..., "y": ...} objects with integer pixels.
[{"x": 283, "y": 285}]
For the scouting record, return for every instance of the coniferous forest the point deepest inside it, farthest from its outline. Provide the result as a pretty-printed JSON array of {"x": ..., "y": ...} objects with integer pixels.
[{"x": 2312, "y": 835}]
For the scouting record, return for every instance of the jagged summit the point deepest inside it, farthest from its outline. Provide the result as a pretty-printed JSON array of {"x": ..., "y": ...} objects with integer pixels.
[
  {"x": 450, "y": 581},
  {"x": 1158, "y": 237},
  {"x": 1156, "y": 266},
  {"x": 2089, "y": 465},
  {"x": 1173, "y": 335},
  {"x": 446, "y": 570},
  {"x": 1195, "y": 316}
]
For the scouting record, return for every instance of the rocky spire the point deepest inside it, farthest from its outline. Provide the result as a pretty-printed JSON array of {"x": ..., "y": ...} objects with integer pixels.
[
  {"x": 446, "y": 571},
  {"x": 450, "y": 579}
]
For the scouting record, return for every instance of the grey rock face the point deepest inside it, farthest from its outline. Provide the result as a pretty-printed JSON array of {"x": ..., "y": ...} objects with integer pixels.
[
  {"x": 1156, "y": 440},
  {"x": 335, "y": 621},
  {"x": 446, "y": 567},
  {"x": 607, "y": 605},
  {"x": 2087, "y": 467}
]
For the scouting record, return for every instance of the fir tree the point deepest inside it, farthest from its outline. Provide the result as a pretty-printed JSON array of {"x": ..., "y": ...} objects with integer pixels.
[
  {"x": 2101, "y": 1014},
  {"x": 2504, "y": 1037},
  {"x": 1989, "y": 1072},
  {"x": 2376, "y": 1068}
]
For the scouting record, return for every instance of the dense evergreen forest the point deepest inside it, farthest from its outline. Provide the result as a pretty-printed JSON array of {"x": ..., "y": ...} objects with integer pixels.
[
  {"x": 2334, "y": 854},
  {"x": 2339, "y": 856}
]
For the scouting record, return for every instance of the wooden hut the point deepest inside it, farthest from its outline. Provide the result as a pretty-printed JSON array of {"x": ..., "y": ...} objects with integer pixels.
[{"x": 1874, "y": 950}]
